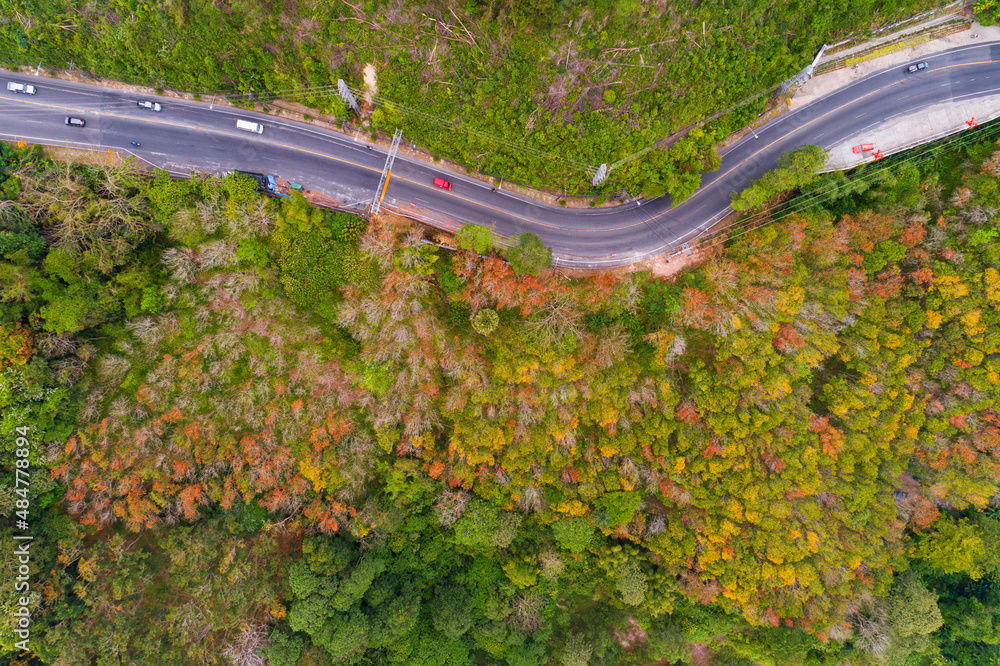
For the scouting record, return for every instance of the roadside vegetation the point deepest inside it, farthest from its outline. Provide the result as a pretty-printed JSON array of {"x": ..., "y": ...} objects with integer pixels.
[
  {"x": 259, "y": 430},
  {"x": 987, "y": 11},
  {"x": 795, "y": 169},
  {"x": 531, "y": 91}
]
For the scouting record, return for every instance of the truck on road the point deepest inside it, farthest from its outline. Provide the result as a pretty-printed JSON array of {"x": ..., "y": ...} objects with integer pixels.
[
  {"x": 250, "y": 126},
  {"x": 25, "y": 88}
]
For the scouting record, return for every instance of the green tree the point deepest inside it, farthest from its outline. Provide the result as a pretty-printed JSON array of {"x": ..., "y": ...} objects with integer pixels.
[
  {"x": 913, "y": 616},
  {"x": 577, "y": 651},
  {"x": 529, "y": 254},
  {"x": 282, "y": 649},
  {"x": 615, "y": 508},
  {"x": 667, "y": 643},
  {"x": 573, "y": 534},
  {"x": 478, "y": 524},
  {"x": 485, "y": 321},
  {"x": 987, "y": 11},
  {"x": 476, "y": 238},
  {"x": 451, "y": 612},
  {"x": 240, "y": 191},
  {"x": 954, "y": 546},
  {"x": 631, "y": 583},
  {"x": 795, "y": 169}
]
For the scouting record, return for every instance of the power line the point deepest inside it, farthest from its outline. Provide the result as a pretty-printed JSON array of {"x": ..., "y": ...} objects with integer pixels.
[
  {"x": 330, "y": 91},
  {"x": 896, "y": 161},
  {"x": 648, "y": 221},
  {"x": 450, "y": 124},
  {"x": 803, "y": 202}
]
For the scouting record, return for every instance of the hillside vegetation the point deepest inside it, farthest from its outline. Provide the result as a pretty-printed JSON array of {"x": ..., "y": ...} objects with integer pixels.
[
  {"x": 532, "y": 90},
  {"x": 259, "y": 428}
]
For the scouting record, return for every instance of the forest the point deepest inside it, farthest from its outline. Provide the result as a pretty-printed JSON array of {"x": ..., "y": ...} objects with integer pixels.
[
  {"x": 534, "y": 91},
  {"x": 262, "y": 433}
]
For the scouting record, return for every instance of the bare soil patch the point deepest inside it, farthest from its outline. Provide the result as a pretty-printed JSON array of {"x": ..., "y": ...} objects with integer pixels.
[
  {"x": 80, "y": 155},
  {"x": 669, "y": 266},
  {"x": 631, "y": 635},
  {"x": 371, "y": 83}
]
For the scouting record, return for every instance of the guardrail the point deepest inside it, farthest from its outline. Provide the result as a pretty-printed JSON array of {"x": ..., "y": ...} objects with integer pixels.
[
  {"x": 851, "y": 42},
  {"x": 902, "y": 42}
]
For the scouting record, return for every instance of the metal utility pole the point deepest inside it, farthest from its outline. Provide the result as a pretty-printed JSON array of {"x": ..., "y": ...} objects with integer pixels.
[
  {"x": 602, "y": 173},
  {"x": 816, "y": 59},
  {"x": 345, "y": 94},
  {"x": 804, "y": 75},
  {"x": 383, "y": 182}
]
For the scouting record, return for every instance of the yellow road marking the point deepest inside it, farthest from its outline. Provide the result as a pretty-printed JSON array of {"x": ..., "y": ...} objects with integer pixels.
[{"x": 520, "y": 217}]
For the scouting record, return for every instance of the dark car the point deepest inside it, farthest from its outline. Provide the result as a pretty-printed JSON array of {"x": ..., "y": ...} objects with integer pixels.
[
  {"x": 75, "y": 122},
  {"x": 916, "y": 68},
  {"x": 442, "y": 183},
  {"x": 152, "y": 106}
]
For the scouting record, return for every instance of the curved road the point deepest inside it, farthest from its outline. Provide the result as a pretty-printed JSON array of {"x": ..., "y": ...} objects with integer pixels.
[{"x": 189, "y": 136}]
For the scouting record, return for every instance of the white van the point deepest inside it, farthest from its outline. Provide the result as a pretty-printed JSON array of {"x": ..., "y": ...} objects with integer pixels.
[
  {"x": 21, "y": 88},
  {"x": 249, "y": 126}
]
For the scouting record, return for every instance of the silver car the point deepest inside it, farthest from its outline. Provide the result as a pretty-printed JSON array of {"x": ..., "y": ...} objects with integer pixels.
[{"x": 152, "y": 106}]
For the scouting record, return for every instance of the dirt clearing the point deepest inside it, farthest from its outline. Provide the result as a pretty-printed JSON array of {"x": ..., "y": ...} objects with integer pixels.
[{"x": 371, "y": 83}]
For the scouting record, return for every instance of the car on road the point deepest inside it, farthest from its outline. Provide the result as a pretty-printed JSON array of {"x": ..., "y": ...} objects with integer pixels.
[
  {"x": 442, "y": 183},
  {"x": 864, "y": 148},
  {"x": 75, "y": 122},
  {"x": 916, "y": 68},
  {"x": 152, "y": 106},
  {"x": 23, "y": 88}
]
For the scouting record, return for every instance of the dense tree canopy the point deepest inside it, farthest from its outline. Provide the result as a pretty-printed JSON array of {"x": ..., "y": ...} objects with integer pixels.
[{"x": 262, "y": 429}]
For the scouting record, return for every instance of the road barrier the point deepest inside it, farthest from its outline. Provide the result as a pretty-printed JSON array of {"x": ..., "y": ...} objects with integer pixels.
[{"x": 903, "y": 42}]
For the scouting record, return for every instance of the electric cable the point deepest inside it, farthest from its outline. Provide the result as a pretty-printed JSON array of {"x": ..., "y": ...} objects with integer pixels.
[{"x": 747, "y": 225}]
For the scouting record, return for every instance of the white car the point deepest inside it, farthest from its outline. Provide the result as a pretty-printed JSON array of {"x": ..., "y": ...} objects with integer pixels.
[
  {"x": 24, "y": 88},
  {"x": 152, "y": 106}
]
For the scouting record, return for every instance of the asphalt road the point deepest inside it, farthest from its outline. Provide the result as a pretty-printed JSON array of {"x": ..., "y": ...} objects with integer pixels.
[{"x": 192, "y": 136}]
